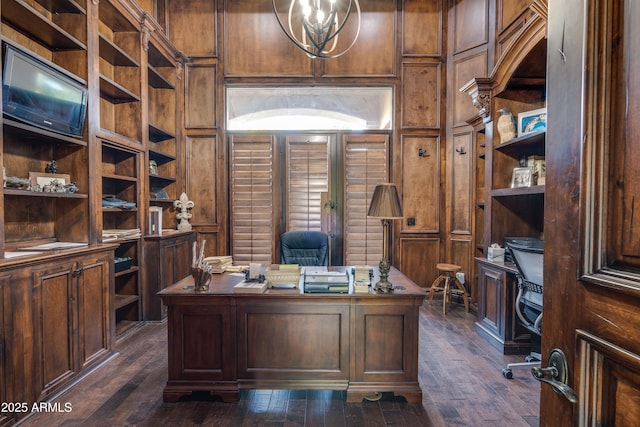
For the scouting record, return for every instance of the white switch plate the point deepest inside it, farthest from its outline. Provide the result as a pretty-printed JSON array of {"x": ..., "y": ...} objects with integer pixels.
[{"x": 460, "y": 277}]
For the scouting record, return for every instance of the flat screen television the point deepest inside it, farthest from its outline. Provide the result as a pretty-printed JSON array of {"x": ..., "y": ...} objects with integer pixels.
[{"x": 42, "y": 95}]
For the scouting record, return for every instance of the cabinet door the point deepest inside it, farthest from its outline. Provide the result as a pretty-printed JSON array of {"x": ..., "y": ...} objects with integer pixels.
[
  {"x": 490, "y": 311},
  {"x": 93, "y": 309},
  {"x": 5, "y": 280},
  {"x": 497, "y": 322},
  {"x": 53, "y": 297}
]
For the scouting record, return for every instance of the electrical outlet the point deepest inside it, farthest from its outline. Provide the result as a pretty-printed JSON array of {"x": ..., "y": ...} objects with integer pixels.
[{"x": 460, "y": 277}]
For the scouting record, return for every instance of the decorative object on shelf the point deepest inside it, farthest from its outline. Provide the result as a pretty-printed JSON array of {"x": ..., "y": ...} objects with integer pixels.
[
  {"x": 51, "y": 167},
  {"x": 385, "y": 205},
  {"x": 51, "y": 183},
  {"x": 532, "y": 121},
  {"x": 200, "y": 270},
  {"x": 522, "y": 177},
  {"x": 539, "y": 168},
  {"x": 158, "y": 193},
  {"x": 17, "y": 182},
  {"x": 4, "y": 176},
  {"x": 153, "y": 167},
  {"x": 184, "y": 204},
  {"x": 315, "y": 26},
  {"x": 506, "y": 125}
]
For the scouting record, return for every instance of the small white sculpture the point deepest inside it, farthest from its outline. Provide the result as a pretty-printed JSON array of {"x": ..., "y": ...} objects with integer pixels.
[{"x": 184, "y": 204}]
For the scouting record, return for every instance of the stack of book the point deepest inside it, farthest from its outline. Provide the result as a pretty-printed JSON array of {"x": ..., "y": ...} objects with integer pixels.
[
  {"x": 220, "y": 263},
  {"x": 109, "y": 235}
]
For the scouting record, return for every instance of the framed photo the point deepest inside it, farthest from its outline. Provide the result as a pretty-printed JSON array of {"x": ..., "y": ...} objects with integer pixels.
[
  {"x": 532, "y": 121},
  {"x": 42, "y": 179},
  {"x": 521, "y": 177}
]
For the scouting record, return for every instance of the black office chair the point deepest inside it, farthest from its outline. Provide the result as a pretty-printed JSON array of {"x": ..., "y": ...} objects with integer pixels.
[
  {"x": 527, "y": 256},
  {"x": 305, "y": 248}
]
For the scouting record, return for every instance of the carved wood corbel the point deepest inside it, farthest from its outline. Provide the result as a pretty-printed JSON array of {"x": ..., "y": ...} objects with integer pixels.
[
  {"x": 479, "y": 89},
  {"x": 146, "y": 31}
]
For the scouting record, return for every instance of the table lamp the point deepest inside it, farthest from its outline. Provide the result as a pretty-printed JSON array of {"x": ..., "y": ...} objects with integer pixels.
[{"x": 385, "y": 204}]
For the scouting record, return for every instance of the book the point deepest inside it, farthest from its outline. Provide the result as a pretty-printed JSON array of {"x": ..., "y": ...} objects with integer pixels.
[{"x": 250, "y": 287}]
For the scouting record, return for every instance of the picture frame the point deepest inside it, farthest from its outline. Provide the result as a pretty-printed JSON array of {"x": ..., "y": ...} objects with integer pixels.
[
  {"x": 42, "y": 179},
  {"x": 521, "y": 177},
  {"x": 532, "y": 121}
]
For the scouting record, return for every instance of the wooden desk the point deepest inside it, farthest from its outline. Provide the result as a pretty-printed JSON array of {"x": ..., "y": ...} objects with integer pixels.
[{"x": 222, "y": 342}]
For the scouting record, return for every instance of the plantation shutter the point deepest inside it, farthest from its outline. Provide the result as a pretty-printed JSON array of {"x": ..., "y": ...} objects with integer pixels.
[
  {"x": 308, "y": 177},
  {"x": 252, "y": 199},
  {"x": 366, "y": 165}
]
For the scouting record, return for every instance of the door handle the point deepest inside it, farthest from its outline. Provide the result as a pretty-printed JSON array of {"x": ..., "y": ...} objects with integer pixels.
[{"x": 556, "y": 375}]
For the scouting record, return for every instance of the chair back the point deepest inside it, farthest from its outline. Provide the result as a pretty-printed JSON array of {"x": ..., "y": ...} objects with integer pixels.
[
  {"x": 528, "y": 259},
  {"x": 305, "y": 248}
]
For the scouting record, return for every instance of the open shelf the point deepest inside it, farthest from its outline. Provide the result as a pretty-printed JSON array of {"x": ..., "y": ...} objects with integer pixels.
[
  {"x": 157, "y": 134},
  {"x": 116, "y": 93},
  {"x": 29, "y": 193},
  {"x": 158, "y": 81},
  {"x": 533, "y": 143},
  {"x": 27, "y": 20},
  {"x": 519, "y": 191},
  {"x": 114, "y": 55}
]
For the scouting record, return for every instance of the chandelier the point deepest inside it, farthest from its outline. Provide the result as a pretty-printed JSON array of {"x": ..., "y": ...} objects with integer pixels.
[{"x": 314, "y": 25}]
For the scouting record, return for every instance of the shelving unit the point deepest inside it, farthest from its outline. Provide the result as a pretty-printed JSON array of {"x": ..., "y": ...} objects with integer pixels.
[
  {"x": 120, "y": 178},
  {"x": 517, "y": 84},
  {"x": 43, "y": 30},
  {"x": 163, "y": 130},
  {"x": 120, "y": 73}
]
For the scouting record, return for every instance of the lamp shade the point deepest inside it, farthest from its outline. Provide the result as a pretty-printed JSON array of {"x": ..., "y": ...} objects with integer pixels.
[{"x": 385, "y": 202}]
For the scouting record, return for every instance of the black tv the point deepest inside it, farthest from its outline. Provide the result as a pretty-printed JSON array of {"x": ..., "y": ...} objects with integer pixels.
[{"x": 41, "y": 94}]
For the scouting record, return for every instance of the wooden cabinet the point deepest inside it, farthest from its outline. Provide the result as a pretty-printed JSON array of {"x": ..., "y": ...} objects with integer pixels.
[
  {"x": 71, "y": 299},
  {"x": 56, "y": 322},
  {"x": 167, "y": 260},
  {"x": 497, "y": 322}
]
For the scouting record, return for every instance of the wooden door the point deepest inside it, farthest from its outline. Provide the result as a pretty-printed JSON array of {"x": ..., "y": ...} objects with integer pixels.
[
  {"x": 94, "y": 309},
  {"x": 54, "y": 293},
  {"x": 592, "y": 241}
]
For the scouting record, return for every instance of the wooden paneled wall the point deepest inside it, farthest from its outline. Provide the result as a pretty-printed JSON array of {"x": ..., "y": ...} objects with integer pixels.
[
  {"x": 403, "y": 44},
  {"x": 400, "y": 44}
]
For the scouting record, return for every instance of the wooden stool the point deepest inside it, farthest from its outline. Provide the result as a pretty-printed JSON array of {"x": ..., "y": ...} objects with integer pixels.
[{"x": 448, "y": 275}]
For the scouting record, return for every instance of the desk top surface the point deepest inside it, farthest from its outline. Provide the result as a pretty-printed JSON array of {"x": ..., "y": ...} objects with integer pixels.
[{"x": 222, "y": 284}]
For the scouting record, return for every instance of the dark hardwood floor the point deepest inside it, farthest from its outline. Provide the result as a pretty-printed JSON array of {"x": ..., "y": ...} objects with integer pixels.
[{"x": 460, "y": 375}]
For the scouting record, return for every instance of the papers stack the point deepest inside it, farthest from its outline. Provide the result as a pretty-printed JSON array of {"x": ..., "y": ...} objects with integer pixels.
[
  {"x": 250, "y": 287},
  {"x": 219, "y": 264},
  {"x": 109, "y": 235}
]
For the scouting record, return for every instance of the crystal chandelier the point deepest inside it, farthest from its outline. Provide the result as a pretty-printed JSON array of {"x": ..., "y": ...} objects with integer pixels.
[{"x": 314, "y": 25}]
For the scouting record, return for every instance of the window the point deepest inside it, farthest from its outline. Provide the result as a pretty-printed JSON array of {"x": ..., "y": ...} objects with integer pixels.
[
  {"x": 283, "y": 181},
  {"x": 266, "y": 201},
  {"x": 309, "y": 108}
]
